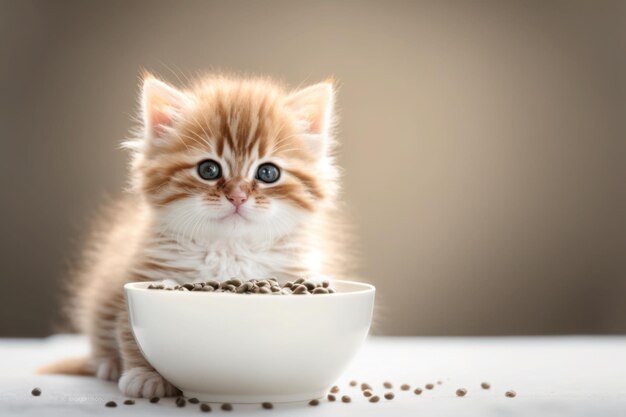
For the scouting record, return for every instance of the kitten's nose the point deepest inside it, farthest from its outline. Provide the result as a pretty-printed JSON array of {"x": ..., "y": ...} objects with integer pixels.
[{"x": 237, "y": 196}]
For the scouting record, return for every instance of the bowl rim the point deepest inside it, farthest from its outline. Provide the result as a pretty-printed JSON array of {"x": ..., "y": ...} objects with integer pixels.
[{"x": 142, "y": 286}]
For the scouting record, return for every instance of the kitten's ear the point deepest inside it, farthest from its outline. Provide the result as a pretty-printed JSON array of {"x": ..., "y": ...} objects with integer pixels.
[
  {"x": 313, "y": 107},
  {"x": 161, "y": 105}
]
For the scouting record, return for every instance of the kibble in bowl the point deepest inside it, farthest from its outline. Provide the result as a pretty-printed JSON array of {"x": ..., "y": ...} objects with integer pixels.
[{"x": 250, "y": 348}]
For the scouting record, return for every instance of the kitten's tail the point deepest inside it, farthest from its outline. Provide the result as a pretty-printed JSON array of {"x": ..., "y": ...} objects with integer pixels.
[{"x": 69, "y": 366}]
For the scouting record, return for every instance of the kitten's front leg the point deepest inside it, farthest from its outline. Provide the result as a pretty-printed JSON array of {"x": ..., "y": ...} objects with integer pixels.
[{"x": 139, "y": 379}]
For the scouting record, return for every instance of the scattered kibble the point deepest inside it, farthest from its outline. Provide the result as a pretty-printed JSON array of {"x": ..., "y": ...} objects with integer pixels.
[
  {"x": 205, "y": 408},
  {"x": 461, "y": 392},
  {"x": 365, "y": 386},
  {"x": 36, "y": 392},
  {"x": 154, "y": 400},
  {"x": 331, "y": 397},
  {"x": 417, "y": 391},
  {"x": 253, "y": 286},
  {"x": 374, "y": 399},
  {"x": 129, "y": 402},
  {"x": 389, "y": 395},
  {"x": 346, "y": 399},
  {"x": 314, "y": 402},
  {"x": 193, "y": 400},
  {"x": 334, "y": 389},
  {"x": 267, "y": 406},
  {"x": 405, "y": 387},
  {"x": 510, "y": 394},
  {"x": 227, "y": 407},
  {"x": 430, "y": 386},
  {"x": 485, "y": 385},
  {"x": 353, "y": 383},
  {"x": 387, "y": 385},
  {"x": 111, "y": 404},
  {"x": 181, "y": 402},
  {"x": 368, "y": 393}
]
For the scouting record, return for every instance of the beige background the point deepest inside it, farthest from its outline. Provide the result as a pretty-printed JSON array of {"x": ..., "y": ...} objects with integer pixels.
[{"x": 483, "y": 144}]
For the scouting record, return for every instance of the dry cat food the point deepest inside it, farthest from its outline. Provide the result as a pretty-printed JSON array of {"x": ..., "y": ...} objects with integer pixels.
[
  {"x": 180, "y": 402},
  {"x": 331, "y": 397},
  {"x": 267, "y": 406},
  {"x": 405, "y": 387},
  {"x": 461, "y": 392},
  {"x": 300, "y": 286},
  {"x": 417, "y": 391},
  {"x": 205, "y": 408},
  {"x": 36, "y": 392},
  {"x": 485, "y": 385},
  {"x": 430, "y": 386},
  {"x": 227, "y": 407},
  {"x": 154, "y": 400},
  {"x": 111, "y": 404},
  {"x": 334, "y": 389},
  {"x": 389, "y": 395},
  {"x": 510, "y": 394},
  {"x": 314, "y": 402},
  {"x": 346, "y": 399},
  {"x": 374, "y": 399},
  {"x": 353, "y": 383},
  {"x": 387, "y": 385},
  {"x": 129, "y": 402}
]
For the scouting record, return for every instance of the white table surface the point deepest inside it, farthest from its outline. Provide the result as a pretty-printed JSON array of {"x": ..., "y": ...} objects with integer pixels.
[{"x": 553, "y": 376}]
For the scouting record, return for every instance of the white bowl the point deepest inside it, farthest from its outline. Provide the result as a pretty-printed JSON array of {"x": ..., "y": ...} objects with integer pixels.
[{"x": 243, "y": 348}]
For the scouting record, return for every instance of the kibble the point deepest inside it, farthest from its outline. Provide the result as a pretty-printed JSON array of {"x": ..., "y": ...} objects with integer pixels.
[
  {"x": 331, "y": 397},
  {"x": 36, "y": 392},
  {"x": 181, "y": 402},
  {"x": 485, "y": 385},
  {"x": 205, "y": 408},
  {"x": 129, "y": 402},
  {"x": 314, "y": 402},
  {"x": 374, "y": 399},
  {"x": 387, "y": 385},
  {"x": 510, "y": 394},
  {"x": 417, "y": 391},
  {"x": 267, "y": 406},
  {"x": 154, "y": 400},
  {"x": 367, "y": 393},
  {"x": 353, "y": 383},
  {"x": 111, "y": 404},
  {"x": 227, "y": 407},
  {"x": 461, "y": 392},
  {"x": 430, "y": 386},
  {"x": 193, "y": 400},
  {"x": 405, "y": 387},
  {"x": 365, "y": 386},
  {"x": 389, "y": 395},
  {"x": 346, "y": 399},
  {"x": 334, "y": 389},
  {"x": 253, "y": 286}
]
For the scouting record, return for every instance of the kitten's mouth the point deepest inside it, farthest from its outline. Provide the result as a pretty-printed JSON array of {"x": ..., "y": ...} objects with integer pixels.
[{"x": 235, "y": 215}]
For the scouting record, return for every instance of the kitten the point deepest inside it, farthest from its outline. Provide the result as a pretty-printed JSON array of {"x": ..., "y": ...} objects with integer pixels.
[{"x": 232, "y": 177}]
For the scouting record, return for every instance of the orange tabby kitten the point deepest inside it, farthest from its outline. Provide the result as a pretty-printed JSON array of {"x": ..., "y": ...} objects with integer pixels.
[{"x": 232, "y": 177}]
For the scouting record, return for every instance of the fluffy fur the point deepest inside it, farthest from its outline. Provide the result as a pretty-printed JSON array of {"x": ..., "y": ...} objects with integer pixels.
[{"x": 174, "y": 225}]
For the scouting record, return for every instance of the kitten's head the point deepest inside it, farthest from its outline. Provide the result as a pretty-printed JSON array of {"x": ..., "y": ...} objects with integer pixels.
[{"x": 234, "y": 156}]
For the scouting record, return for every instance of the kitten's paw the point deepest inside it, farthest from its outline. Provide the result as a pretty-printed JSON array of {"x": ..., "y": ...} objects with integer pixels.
[
  {"x": 108, "y": 369},
  {"x": 144, "y": 382}
]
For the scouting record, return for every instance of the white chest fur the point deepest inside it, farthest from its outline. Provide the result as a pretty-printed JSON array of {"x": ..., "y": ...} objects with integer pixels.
[{"x": 190, "y": 261}]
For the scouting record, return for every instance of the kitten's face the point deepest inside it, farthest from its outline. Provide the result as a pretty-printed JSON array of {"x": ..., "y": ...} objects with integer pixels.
[{"x": 234, "y": 157}]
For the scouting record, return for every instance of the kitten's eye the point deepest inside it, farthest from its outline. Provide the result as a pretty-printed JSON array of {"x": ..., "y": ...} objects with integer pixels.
[
  {"x": 209, "y": 170},
  {"x": 268, "y": 173}
]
